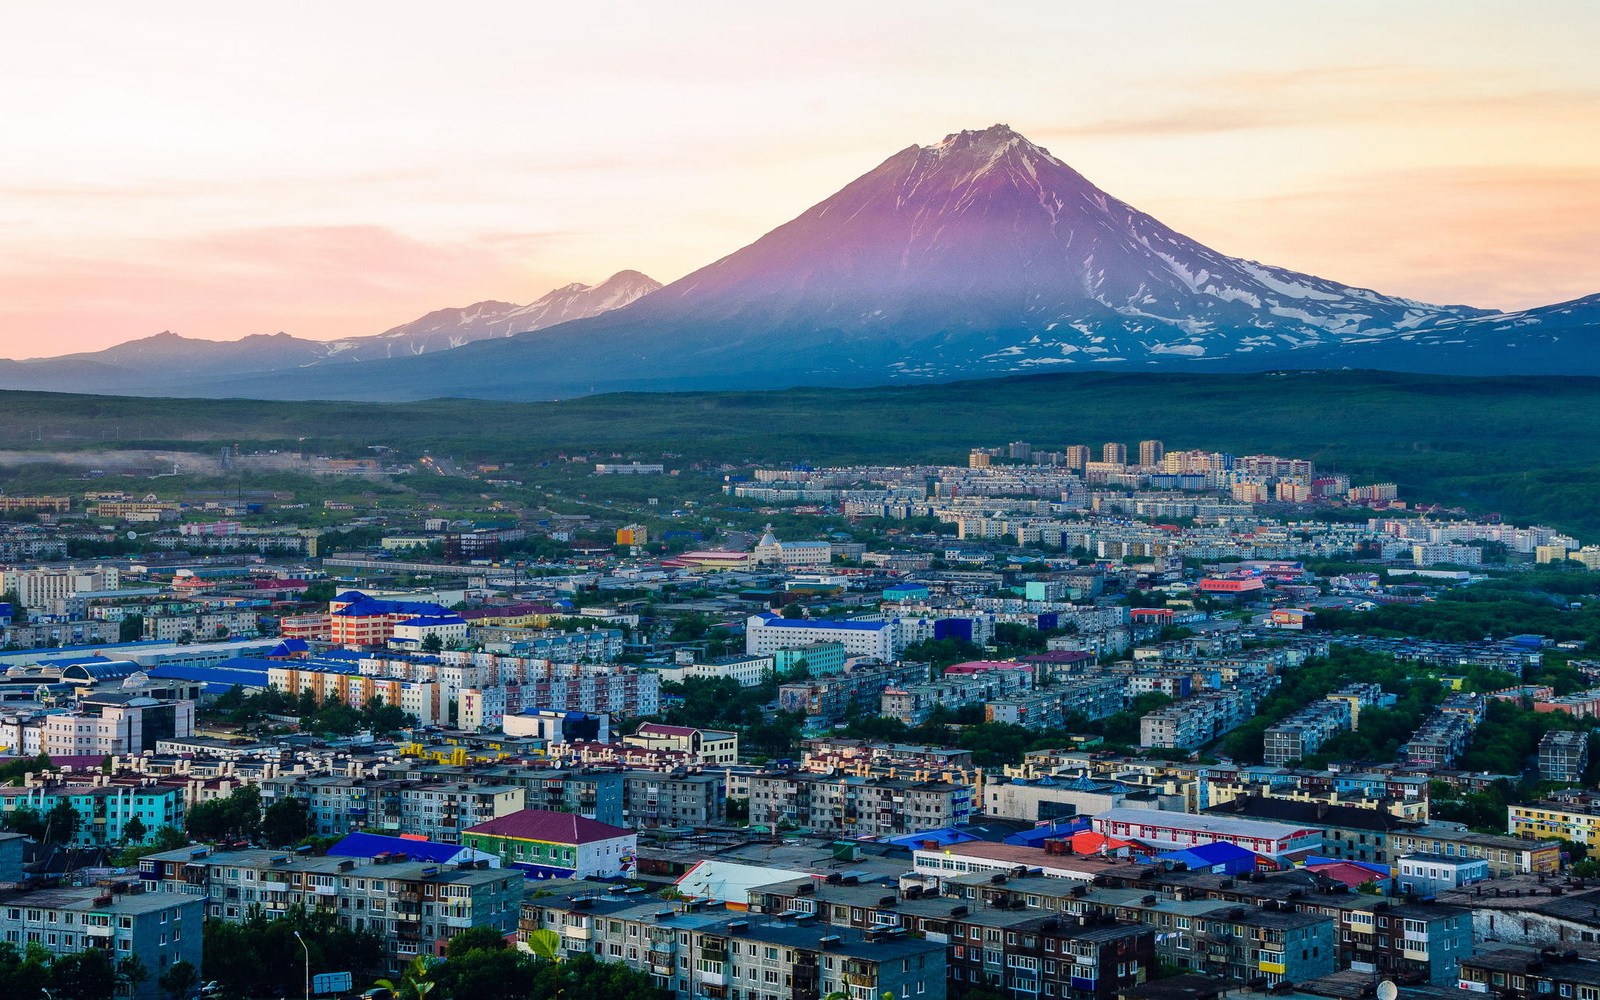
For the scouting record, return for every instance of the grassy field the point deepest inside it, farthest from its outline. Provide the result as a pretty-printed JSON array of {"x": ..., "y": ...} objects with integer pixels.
[{"x": 1525, "y": 446}]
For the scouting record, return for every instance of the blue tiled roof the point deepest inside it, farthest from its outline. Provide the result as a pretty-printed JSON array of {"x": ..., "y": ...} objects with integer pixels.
[
  {"x": 362, "y": 606},
  {"x": 1216, "y": 853},
  {"x": 367, "y": 845},
  {"x": 843, "y": 626},
  {"x": 943, "y": 837}
]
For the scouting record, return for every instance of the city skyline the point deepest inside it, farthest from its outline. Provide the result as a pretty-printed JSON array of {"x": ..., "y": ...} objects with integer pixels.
[{"x": 332, "y": 173}]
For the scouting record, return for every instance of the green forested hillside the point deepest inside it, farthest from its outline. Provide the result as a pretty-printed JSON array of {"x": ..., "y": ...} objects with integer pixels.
[{"x": 1527, "y": 446}]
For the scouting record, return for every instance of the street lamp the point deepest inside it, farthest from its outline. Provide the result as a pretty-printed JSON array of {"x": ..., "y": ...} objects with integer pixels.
[{"x": 307, "y": 948}]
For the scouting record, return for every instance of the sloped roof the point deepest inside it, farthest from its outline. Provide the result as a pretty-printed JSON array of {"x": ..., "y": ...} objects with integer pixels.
[
  {"x": 551, "y": 827},
  {"x": 367, "y": 845}
]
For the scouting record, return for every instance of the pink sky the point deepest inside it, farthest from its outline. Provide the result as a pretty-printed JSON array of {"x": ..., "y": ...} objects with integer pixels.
[{"x": 335, "y": 169}]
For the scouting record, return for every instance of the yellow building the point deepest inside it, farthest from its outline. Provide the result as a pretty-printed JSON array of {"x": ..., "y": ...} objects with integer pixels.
[{"x": 1543, "y": 820}]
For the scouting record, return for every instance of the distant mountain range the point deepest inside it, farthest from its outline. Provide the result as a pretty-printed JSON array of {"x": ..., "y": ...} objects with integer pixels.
[
  {"x": 170, "y": 365},
  {"x": 980, "y": 255}
]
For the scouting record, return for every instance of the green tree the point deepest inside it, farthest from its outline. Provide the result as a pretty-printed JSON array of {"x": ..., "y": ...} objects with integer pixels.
[
  {"x": 131, "y": 974},
  {"x": 431, "y": 643},
  {"x": 84, "y": 975},
  {"x": 130, "y": 629},
  {"x": 286, "y": 822},
  {"x": 26, "y": 972},
  {"x": 61, "y": 823},
  {"x": 179, "y": 980},
  {"x": 415, "y": 982},
  {"x": 133, "y": 831},
  {"x": 236, "y": 817},
  {"x": 26, "y": 821}
]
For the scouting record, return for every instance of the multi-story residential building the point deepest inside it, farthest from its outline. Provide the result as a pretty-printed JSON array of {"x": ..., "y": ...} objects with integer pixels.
[
  {"x": 1506, "y": 855},
  {"x": 1402, "y": 941},
  {"x": 104, "y": 810},
  {"x": 416, "y": 907},
  {"x": 556, "y": 845},
  {"x": 1521, "y": 974},
  {"x": 820, "y": 659},
  {"x": 699, "y": 950},
  {"x": 1564, "y": 756},
  {"x": 115, "y": 724},
  {"x": 37, "y": 588},
  {"x": 437, "y": 811},
  {"x": 913, "y": 703},
  {"x": 767, "y": 633},
  {"x": 1570, "y": 814},
  {"x": 622, "y": 692},
  {"x": 748, "y": 669},
  {"x": 712, "y": 746},
  {"x": 1012, "y": 945},
  {"x": 158, "y": 929},
  {"x": 325, "y": 681},
  {"x": 674, "y": 799},
  {"x": 1195, "y": 721},
  {"x": 856, "y": 689},
  {"x": 1305, "y": 731},
  {"x": 1427, "y": 874},
  {"x": 1446, "y": 734},
  {"x": 69, "y": 633},
  {"x": 201, "y": 625},
  {"x": 858, "y": 806}
]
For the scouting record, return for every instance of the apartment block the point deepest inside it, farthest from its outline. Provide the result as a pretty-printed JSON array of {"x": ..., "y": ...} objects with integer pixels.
[
  {"x": 1195, "y": 721},
  {"x": 697, "y": 950},
  {"x": 437, "y": 811},
  {"x": 858, "y": 806},
  {"x": 104, "y": 811},
  {"x": 1564, "y": 756},
  {"x": 158, "y": 929},
  {"x": 416, "y": 907}
]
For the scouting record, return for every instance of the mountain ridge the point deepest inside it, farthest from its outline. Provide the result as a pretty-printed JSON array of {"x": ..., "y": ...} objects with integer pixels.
[
  {"x": 977, "y": 256},
  {"x": 158, "y": 362}
]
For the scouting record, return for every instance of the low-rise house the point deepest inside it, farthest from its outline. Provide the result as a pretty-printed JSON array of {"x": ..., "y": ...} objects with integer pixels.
[{"x": 556, "y": 845}]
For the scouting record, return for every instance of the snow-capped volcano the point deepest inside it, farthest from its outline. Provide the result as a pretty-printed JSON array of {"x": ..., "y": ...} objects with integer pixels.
[
  {"x": 987, "y": 233},
  {"x": 979, "y": 255}
]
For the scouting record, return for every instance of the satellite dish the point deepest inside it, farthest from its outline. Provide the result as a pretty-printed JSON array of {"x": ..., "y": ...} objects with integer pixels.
[
  {"x": 132, "y": 535},
  {"x": 1387, "y": 991}
]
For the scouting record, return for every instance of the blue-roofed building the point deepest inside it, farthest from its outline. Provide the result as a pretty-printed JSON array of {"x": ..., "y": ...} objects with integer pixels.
[
  {"x": 1219, "y": 858},
  {"x": 941, "y": 837},
  {"x": 372, "y": 845},
  {"x": 767, "y": 633},
  {"x": 241, "y": 672},
  {"x": 1057, "y": 830},
  {"x": 906, "y": 592}
]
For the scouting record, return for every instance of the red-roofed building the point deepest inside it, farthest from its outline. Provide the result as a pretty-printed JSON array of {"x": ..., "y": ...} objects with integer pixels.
[
  {"x": 712, "y": 746},
  {"x": 1232, "y": 586},
  {"x": 555, "y": 845},
  {"x": 1350, "y": 874}
]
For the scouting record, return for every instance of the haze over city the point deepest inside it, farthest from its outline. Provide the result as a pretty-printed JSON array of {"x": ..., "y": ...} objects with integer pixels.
[{"x": 332, "y": 172}]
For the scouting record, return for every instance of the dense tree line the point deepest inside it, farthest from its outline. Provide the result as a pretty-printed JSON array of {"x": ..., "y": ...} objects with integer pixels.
[
  {"x": 328, "y": 715},
  {"x": 1381, "y": 730},
  {"x": 258, "y": 956},
  {"x": 32, "y": 971}
]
